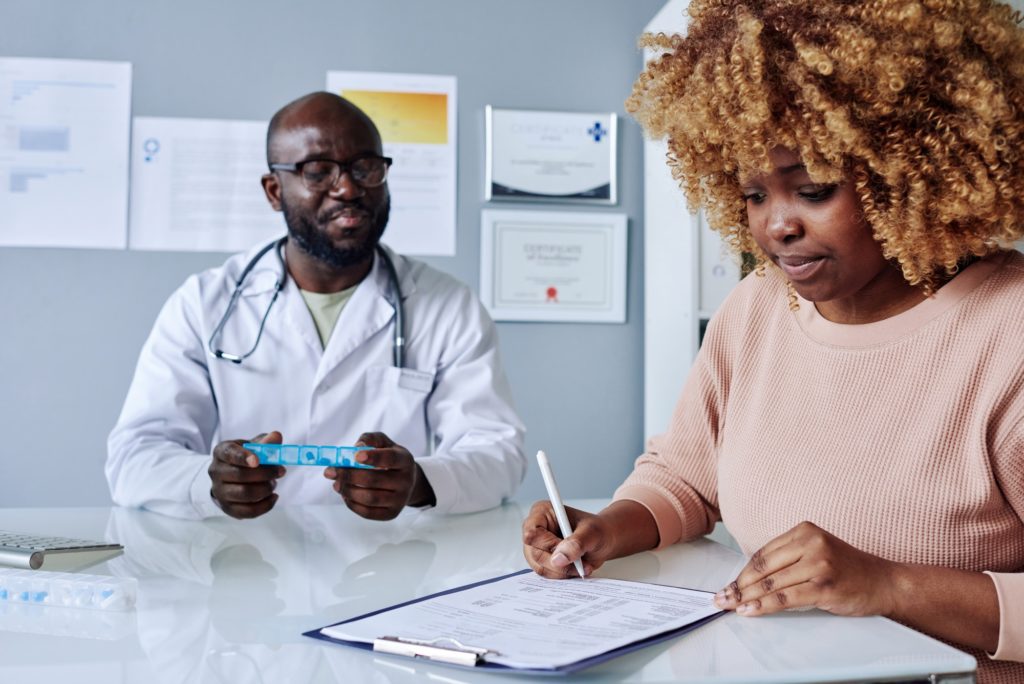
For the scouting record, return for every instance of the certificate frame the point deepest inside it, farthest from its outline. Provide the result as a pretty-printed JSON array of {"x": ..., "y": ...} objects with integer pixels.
[
  {"x": 548, "y": 156},
  {"x": 553, "y": 266}
]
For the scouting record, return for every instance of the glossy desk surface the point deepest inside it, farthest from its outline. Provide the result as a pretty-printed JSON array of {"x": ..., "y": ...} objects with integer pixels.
[{"x": 227, "y": 600}]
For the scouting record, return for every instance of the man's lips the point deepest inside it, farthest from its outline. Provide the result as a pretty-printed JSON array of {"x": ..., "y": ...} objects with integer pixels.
[
  {"x": 347, "y": 218},
  {"x": 800, "y": 266}
]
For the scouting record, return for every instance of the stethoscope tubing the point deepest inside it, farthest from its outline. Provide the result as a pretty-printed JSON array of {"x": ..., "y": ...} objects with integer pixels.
[{"x": 398, "y": 344}]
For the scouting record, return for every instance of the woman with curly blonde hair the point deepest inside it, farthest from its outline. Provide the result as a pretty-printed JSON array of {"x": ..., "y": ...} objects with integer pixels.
[{"x": 856, "y": 413}]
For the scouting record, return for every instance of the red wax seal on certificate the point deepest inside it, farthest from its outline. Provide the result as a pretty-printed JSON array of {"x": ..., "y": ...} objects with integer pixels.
[{"x": 552, "y": 294}]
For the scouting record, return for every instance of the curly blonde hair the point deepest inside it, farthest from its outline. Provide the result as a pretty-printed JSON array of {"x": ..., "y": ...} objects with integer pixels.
[{"x": 919, "y": 102}]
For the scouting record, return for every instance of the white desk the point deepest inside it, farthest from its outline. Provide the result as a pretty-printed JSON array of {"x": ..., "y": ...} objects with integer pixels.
[{"x": 227, "y": 600}]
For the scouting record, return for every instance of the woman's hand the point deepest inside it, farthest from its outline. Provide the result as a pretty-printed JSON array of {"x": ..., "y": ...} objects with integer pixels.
[
  {"x": 623, "y": 528},
  {"x": 808, "y": 567},
  {"x": 551, "y": 556}
]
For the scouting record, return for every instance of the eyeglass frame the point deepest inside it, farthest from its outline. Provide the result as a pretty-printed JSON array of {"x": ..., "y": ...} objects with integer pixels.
[{"x": 343, "y": 168}]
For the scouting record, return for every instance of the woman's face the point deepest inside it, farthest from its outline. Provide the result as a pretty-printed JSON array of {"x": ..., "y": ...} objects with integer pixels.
[{"x": 816, "y": 234}]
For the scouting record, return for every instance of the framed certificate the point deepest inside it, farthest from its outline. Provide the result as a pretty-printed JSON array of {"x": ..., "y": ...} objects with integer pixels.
[
  {"x": 553, "y": 266},
  {"x": 550, "y": 156}
]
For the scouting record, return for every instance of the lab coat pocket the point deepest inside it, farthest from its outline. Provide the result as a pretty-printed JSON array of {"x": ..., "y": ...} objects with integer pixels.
[{"x": 402, "y": 395}]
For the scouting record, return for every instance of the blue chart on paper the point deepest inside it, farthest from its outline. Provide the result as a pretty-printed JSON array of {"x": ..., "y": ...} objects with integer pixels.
[{"x": 307, "y": 454}]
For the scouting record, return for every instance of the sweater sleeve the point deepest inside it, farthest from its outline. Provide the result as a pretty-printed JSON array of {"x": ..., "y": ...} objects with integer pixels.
[
  {"x": 1008, "y": 468},
  {"x": 1010, "y": 590},
  {"x": 676, "y": 478}
]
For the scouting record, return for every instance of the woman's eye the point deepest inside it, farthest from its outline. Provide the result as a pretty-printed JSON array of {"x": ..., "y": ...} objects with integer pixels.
[
  {"x": 753, "y": 197},
  {"x": 818, "y": 193}
]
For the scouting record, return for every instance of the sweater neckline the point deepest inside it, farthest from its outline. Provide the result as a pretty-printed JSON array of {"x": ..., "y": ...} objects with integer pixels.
[{"x": 889, "y": 329}]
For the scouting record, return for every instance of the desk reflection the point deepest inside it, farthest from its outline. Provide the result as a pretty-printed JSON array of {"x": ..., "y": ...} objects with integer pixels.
[{"x": 227, "y": 601}]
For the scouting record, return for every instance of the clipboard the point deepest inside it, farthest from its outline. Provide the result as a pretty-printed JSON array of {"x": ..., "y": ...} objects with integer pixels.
[{"x": 449, "y": 652}]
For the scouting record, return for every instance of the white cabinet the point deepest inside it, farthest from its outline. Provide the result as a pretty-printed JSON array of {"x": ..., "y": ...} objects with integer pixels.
[{"x": 686, "y": 270}]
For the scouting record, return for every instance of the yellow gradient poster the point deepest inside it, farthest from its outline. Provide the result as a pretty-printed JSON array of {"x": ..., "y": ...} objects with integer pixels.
[
  {"x": 415, "y": 114},
  {"x": 404, "y": 117}
]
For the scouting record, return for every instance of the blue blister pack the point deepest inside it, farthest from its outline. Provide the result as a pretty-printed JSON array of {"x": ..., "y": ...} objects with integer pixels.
[{"x": 307, "y": 454}]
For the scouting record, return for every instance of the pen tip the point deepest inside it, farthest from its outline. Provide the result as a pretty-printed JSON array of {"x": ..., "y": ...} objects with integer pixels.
[{"x": 541, "y": 454}]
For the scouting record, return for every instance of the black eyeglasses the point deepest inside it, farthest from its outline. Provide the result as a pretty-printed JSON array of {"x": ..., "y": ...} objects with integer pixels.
[{"x": 321, "y": 175}]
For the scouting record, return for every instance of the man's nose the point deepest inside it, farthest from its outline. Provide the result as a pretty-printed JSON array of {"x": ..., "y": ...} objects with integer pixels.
[{"x": 346, "y": 187}]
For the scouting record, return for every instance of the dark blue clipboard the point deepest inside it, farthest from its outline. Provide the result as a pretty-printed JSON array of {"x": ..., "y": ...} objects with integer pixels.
[{"x": 484, "y": 666}]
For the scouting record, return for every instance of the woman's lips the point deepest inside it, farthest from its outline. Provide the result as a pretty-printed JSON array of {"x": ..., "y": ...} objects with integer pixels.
[{"x": 799, "y": 268}]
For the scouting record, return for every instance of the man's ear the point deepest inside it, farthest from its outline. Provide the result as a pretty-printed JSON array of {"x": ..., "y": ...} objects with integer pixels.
[{"x": 272, "y": 189}]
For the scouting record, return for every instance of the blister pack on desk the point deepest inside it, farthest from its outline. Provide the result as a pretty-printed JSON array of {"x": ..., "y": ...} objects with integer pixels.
[
  {"x": 307, "y": 454},
  {"x": 68, "y": 589}
]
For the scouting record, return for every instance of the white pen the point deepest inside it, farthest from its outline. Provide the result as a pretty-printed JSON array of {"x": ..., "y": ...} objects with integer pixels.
[{"x": 556, "y": 503}]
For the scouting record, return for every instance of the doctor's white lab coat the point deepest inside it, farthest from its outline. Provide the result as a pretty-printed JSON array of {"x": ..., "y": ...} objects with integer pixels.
[{"x": 450, "y": 406}]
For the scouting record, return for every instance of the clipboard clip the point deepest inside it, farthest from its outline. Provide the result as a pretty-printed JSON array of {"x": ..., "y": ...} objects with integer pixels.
[{"x": 443, "y": 649}]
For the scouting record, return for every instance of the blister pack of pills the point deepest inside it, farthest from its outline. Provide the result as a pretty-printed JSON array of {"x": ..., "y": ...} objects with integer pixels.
[
  {"x": 307, "y": 454},
  {"x": 68, "y": 589}
]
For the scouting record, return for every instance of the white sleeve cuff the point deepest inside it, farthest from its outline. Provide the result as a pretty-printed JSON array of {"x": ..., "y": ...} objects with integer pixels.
[
  {"x": 446, "y": 491},
  {"x": 199, "y": 495}
]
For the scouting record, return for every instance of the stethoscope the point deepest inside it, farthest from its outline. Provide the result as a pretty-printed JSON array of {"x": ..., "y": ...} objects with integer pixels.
[{"x": 277, "y": 246}]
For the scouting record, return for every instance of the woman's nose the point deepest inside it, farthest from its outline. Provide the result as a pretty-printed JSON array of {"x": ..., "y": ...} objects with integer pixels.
[{"x": 784, "y": 224}]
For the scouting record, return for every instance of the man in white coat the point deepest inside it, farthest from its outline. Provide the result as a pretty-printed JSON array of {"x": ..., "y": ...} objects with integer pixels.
[{"x": 297, "y": 341}]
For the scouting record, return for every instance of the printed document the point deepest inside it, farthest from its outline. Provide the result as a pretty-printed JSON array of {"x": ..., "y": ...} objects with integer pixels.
[
  {"x": 527, "y": 621},
  {"x": 415, "y": 114},
  {"x": 196, "y": 185},
  {"x": 64, "y": 152}
]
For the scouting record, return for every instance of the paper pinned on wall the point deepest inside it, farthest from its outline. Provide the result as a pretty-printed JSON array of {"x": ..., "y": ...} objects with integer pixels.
[
  {"x": 64, "y": 128},
  {"x": 196, "y": 185},
  {"x": 416, "y": 118}
]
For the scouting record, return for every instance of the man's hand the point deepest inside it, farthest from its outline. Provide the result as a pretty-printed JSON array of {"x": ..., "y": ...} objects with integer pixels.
[
  {"x": 241, "y": 486},
  {"x": 381, "y": 494},
  {"x": 808, "y": 567}
]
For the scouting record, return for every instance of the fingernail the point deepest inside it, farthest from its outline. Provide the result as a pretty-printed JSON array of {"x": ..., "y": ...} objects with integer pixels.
[
  {"x": 559, "y": 560},
  {"x": 252, "y": 461},
  {"x": 361, "y": 457},
  {"x": 744, "y": 609},
  {"x": 281, "y": 472}
]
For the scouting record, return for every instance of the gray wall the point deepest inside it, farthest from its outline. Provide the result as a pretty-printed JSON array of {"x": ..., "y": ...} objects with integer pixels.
[{"x": 74, "y": 320}]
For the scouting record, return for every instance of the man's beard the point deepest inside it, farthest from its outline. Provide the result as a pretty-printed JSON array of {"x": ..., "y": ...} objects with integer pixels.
[{"x": 314, "y": 241}]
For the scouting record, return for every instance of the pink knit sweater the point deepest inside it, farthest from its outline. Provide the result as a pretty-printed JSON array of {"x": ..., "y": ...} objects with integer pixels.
[{"x": 903, "y": 437}]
